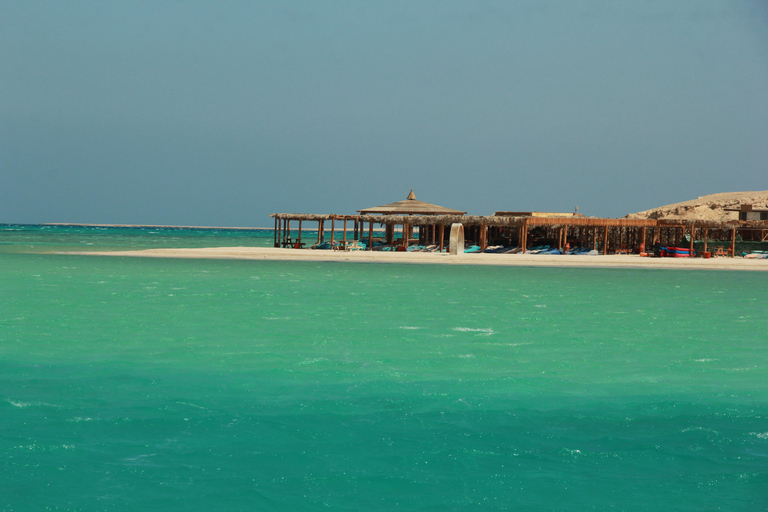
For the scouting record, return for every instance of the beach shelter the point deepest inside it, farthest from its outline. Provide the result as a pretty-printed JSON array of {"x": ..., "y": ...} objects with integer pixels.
[{"x": 411, "y": 206}]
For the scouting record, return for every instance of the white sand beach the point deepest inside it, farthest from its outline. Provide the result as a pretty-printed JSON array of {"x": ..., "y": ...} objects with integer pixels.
[{"x": 529, "y": 260}]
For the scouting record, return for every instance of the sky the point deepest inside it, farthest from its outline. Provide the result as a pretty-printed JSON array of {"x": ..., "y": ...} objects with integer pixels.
[{"x": 218, "y": 113}]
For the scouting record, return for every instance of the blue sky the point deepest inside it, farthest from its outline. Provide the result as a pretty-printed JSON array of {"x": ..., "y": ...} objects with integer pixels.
[{"x": 219, "y": 113}]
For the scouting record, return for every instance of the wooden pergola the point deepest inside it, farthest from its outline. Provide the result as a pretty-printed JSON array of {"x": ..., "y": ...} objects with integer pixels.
[
  {"x": 603, "y": 234},
  {"x": 282, "y": 236}
]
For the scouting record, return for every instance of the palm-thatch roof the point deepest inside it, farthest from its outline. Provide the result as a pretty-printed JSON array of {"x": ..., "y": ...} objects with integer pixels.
[{"x": 411, "y": 206}]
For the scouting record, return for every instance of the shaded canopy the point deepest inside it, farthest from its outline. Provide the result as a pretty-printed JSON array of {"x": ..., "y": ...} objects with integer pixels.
[{"x": 411, "y": 206}]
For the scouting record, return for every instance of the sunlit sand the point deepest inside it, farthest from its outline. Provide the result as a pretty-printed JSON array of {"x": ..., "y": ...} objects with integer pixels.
[{"x": 607, "y": 261}]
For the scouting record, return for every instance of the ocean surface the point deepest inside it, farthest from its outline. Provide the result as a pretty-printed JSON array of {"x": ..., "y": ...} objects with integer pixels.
[{"x": 133, "y": 384}]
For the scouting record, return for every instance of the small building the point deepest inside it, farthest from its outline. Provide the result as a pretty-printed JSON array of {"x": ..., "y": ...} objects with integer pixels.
[{"x": 748, "y": 212}]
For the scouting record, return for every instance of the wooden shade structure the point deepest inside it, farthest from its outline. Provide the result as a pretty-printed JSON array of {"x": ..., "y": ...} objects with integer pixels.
[{"x": 524, "y": 229}]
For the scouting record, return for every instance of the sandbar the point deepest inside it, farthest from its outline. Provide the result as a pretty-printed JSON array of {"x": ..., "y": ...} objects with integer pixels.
[{"x": 527, "y": 260}]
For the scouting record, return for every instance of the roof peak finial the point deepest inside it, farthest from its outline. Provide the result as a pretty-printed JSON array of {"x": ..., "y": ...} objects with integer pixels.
[{"x": 411, "y": 196}]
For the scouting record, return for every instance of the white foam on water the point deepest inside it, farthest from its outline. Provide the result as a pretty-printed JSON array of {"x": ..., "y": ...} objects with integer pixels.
[
  {"x": 701, "y": 429},
  {"x": 192, "y": 405},
  {"x": 480, "y": 331},
  {"x": 23, "y": 405},
  {"x": 313, "y": 361}
]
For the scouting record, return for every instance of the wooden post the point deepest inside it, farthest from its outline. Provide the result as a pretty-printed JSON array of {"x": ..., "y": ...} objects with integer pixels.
[
  {"x": 524, "y": 244},
  {"x": 733, "y": 242},
  {"x": 370, "y": 236},
  {"x": 345, "y": 232},
  {"x": 320, "y": 225},
  {"x": 274, "y": 233},
  {"x": 693, "y": 233},
  {"x": 706, "y": 236},
  {"x": 565, "y": 236},
  {"x": 298, "y": 242},
  {"x": 287, "y": 231},
  {"x": 483, "y": 236},
  {"x": 333, "y": 228},
  {"x": 605, "y": 241},
  {"x": 442, "y": 236}
]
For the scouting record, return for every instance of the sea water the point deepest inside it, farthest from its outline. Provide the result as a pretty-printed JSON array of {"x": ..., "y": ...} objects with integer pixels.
[
  {"x": 158, "y": 384},
  {"x": 24, "y": 238}
]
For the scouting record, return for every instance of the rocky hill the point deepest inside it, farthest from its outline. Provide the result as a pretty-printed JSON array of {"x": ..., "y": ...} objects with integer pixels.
[{"x": 710, "y": 208}]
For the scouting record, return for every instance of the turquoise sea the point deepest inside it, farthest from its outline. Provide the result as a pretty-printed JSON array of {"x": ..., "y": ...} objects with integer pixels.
[{"x": 133, "y": 384}]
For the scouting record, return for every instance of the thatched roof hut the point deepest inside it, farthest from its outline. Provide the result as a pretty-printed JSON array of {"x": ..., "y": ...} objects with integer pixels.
[{"x": 410, "y": 206}]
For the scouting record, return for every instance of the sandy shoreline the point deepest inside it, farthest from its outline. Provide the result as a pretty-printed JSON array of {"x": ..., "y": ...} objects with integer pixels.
[{"x": 529, "y": 260}]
